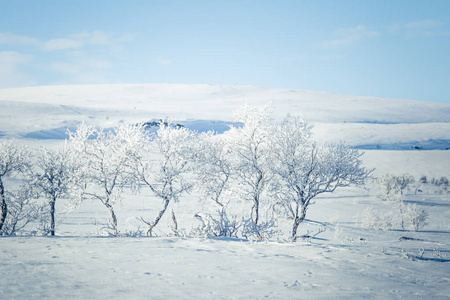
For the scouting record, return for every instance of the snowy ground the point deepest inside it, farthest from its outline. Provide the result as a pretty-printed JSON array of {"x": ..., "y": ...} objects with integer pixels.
[
  {"x": 161, "y": 268},
  {"x": 346, "y": 260}
]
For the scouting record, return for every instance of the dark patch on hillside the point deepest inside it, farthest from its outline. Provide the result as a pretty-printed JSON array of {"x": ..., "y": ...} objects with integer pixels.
[{"x": 425, "y": 145}]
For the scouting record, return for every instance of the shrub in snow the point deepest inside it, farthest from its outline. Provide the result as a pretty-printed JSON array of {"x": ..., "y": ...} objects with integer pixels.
[
  {"x": 340, "y": 235},
  {"x": 423, "y": 179},
  {"x": 440, "y": 181},
  {"x": 264, "y": 230},
  {"x": 417, "y": 186},
  {"x": 415, "y": 215},
  {"x": 393, "y": 190},
  {"x": 221, "y": 226},
  {"x": 393, "y": 187},
  {"x": 445, "y": 191},
  {"x": 376, "y": 220},
  {"x": 443, "y": 181}
]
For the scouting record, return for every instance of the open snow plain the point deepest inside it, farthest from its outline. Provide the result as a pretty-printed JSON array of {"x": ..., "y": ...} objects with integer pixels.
[{"x": 344, "y": 260}]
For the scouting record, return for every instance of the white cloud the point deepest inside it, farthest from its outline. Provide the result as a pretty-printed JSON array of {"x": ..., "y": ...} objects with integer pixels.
[
  {"x": 424, "y": 24},
  {"x": 418, "y": 28},
  {"x": 79, "y": 64},
  {"x": 102, "y": 38},
  {"x": 74, "y": 41},
  {"x": 348, "y": 36},
  {"x": 10, "y": 74},
  {"x": 77, "y": 67},
  {"x": 13, "y": 58},
  {"x": 61, "y": 44},
  {"x": 95, "y": 38},
  {"x": 9, "y": 38}
]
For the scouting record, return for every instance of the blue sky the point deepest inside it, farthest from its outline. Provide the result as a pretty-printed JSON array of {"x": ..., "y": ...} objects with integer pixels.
[{"x": 395, "y": 49}]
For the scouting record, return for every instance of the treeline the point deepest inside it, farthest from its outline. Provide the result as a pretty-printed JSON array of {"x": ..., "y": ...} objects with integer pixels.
[{"x": 271, "y": 165}]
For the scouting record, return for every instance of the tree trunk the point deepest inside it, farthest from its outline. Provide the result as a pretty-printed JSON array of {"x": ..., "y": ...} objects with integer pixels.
[
  {"x": 161, "y": 213},
  {"x": 52, "y": 215},
  {"x": 113, "y": 218},
  {"x": 175, "y": 224},
  {"x": 256, "y": 209},
  {"x": 255, "y": 221},
  {"x": 297, "y": 221},
  {"x": 3, "y": 205},
  {"x": 402, "y": 215}
]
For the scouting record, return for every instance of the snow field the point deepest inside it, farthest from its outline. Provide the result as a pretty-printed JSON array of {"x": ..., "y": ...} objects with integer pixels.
[
  {"x": 345, "y": 260},
  {"x": 354, "y": 262}
]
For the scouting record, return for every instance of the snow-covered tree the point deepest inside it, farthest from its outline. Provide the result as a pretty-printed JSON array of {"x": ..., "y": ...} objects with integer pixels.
[
  {"x": 13, "y": 159},
  {"x": 213, "y": 167},
  {"x": 57, "y": 175},
  {"x": 393, "y": 186},
  {"x": 305, "y": 170},
  {"x": 378, "y": 220},
  {"x": 24, "y": 208},
  {"x": 215, "y": 174},
  {"x": 393, "y": 189},
  {"x": 416, "y": 215},
  {"x": 162, "y": 164},
  {"x": 105, "y": 157},
  {"x": 250, "y": 145}
]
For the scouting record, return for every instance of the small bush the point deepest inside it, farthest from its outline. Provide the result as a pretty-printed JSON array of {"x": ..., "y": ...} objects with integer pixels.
[
  {"x": 415, "y": 215},
  {"x": 423, "y": 179},
  {"x": 222, "y": 226},
  {"x": 377, "y": 220},
  {"x": 341, "y": 236},
  {"x": 443, "y": 181},
  {"x": 263, "y": 231}
]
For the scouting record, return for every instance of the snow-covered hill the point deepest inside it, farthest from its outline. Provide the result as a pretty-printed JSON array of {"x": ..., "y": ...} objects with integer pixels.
[
  {"x": 215, "y": 102},
  {"x": 364, "y": 122}
]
